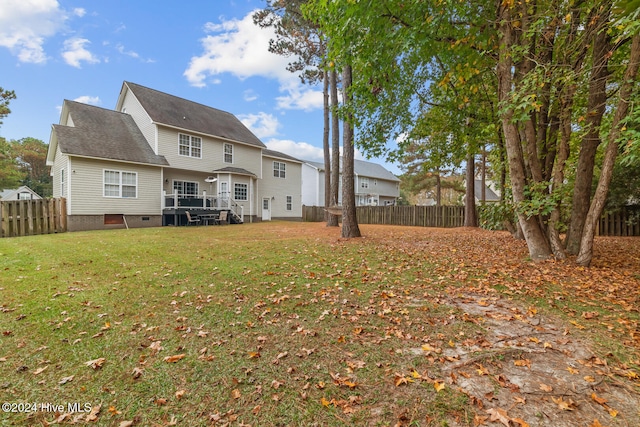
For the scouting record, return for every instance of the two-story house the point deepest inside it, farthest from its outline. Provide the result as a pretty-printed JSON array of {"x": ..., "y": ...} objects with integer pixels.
[
  {"x": 156, "y": 156},
  {"x": 374, "y": 185}
]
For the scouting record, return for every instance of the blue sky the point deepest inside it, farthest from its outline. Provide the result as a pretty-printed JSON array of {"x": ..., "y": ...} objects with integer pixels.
[{"x": 207, "y": 51}]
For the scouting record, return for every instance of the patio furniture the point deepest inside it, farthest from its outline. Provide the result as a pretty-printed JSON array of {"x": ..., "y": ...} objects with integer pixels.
[
  {"x": 223, "y": 217},
  {"x": 192, "y": 219},
  {"x": 213, "y": 218}
]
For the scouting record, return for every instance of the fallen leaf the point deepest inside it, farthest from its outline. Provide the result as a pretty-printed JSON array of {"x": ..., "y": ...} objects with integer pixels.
[
  {"x": 180, "y": 393},
  {"x": 65, "y": 380},
  {"x": 174, "y": 358},
  {"x": 497, "y": 414},
  {"x": 546, "y": 388},
  {"x": 520, "y": 421},
  {"x": 438, "y": 385},
  {"x": 96, "y": 363},
  {"x": 523, "y": 362},
  {"x": 235, "y": 394},
  {"x": 598, "y": 399},
  {"x": 565, "y": 405},
  {"x": 137, "y": 373},
  {"x": 125, "y": 424},
  {"x": 40, "y": 370},
  {"x": 325, "y": 402},
  {"x": 93, "y": 415},
  {"x": 572, "y": 370}
]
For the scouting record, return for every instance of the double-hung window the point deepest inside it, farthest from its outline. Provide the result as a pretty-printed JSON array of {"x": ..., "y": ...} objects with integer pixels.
[
  {"x": 364, "y": 182},
  {"x": 120, "y": 184},
  {"x": 190, "y": 146},
  {"x": 228, "y": 153},
  {"x": 279, "y": 169}
]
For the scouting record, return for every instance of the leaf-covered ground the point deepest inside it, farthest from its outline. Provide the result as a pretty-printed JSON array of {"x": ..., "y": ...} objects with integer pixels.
[{"x": 287, "y": 324}]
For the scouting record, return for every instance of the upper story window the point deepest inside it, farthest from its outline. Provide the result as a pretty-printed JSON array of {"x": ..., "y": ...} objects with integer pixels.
[
  {"x": 279, "y": 169},
  {"x": 120, "y": 184},
  {"x": 190, "y": 146},
  {"x": 228, "y": 153},
  {"x": 364, "y": 182}
]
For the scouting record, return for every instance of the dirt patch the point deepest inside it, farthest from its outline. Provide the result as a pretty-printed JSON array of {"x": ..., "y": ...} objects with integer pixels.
[{"x": 526, "y": 369}]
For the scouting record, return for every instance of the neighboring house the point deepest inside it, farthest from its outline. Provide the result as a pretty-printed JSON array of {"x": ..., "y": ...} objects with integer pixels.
[
  {"x": 21, "y": 193},
  {"x": 374, "y": 185},
  {"x": 156, "y": 156}
]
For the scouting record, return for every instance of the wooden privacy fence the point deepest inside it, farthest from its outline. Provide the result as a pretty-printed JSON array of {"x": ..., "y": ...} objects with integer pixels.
[
  {"x": 424, "y": 216},
  {"x": 625, "y": 222},
  {"x": 30, "y": 217}
]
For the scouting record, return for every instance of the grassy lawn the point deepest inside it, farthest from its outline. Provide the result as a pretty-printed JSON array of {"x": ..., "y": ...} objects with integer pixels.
[{"x": 278, "y": 323}]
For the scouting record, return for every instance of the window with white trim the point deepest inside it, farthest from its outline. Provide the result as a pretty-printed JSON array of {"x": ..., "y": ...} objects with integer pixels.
[
  {"x": 228, "y": 153},
  {"x": 364, "y": 182},
  {"x": 185, "y": 188},
  {"x": 62, "y": 183},
  {"x": 190, "y": 146},
  {"x": 289, "y": 203},
  {"x": 240, "y": 191},
  {"x": 120, "y": 184},
  {"x": 279, "y": 169}
]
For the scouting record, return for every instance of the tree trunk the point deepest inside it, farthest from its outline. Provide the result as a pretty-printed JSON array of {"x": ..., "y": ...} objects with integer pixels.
[
  {"x": 349, "y": 220},
  {"x": 335, "y": 148},
  {"x": 595, "y": 110},
  {"x": 536, "y": 241},
  {"x": 470, "y": 217},
  {"x": 325, "y": 148},
  {"x": 595, "y": 211}
]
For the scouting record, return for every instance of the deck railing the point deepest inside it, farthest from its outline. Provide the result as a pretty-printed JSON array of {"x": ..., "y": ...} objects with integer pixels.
[{"x": 172, "y": 201}]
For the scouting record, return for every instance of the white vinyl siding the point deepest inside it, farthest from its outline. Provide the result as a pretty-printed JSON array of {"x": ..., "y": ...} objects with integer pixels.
[
  {"x": 87, "y": 187},
  {"x": 142, "y": 119},
  {"x": 244, "y": 156},
  {"x": 286, "y": 193}
]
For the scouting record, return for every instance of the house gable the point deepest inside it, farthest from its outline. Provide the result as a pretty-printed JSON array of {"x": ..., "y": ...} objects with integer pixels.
[
  {"x": 101, "y": 134},
  {"x": 182, "y": 114}
]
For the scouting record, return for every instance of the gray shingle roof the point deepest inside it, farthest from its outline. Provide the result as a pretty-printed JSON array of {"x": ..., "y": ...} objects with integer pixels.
[
  {"x": 279, "y": 155},
  {"x": 365, "y": 169},
  {"x": 105, "y": 134},
  {"x": 231, "y": 169},
  {"x": 490, "y": 195},
  {"x": 184, "y": 114}
]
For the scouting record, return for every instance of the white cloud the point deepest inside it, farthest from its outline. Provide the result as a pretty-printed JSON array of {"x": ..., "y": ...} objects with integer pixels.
[
  {"x": 262, "y": 124},
  {"x": 79, "y": 11},
  {"x": 241, "y": 48},
  {"x": 91, "y": 100},
  {"x": 120, "y": 48},
  {"x": 75, "y": 52},
  {"x": 249, "y": 95},
  {"x": 299, "y": 150},
  {"x": 301, "y": 98},
  {"x": 26, "y": 24}
]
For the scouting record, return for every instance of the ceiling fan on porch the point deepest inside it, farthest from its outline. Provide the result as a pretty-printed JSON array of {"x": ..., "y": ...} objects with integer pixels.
[{"x": 210, "y": 179}]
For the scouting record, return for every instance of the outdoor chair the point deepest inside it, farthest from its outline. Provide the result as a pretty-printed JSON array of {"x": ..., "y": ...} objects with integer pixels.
[
  {"x": 223, "y": 217},
  {"x": 192, "y": 219}
]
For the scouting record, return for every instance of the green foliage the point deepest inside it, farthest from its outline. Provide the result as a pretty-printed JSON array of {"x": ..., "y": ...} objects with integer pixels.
[
  {"x": 538, "y": 201},
  {"x": 492, "y": 216},
  {"x": 10, "y": 175},
  {"x": 5, "y": 97}
]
